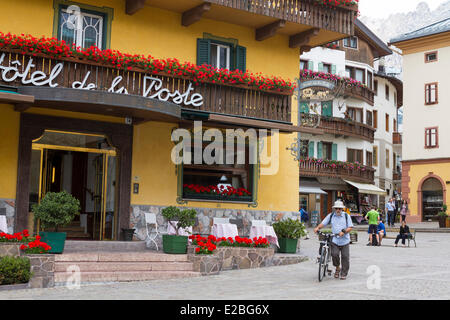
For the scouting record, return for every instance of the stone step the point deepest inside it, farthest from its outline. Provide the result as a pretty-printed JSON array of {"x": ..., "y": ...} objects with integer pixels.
[
  {"x": 124, "y": 266},
  {"x": 112, "y": 276},
  {"x": 120, "y": 257},
  {"x": 109, "y": 246}
]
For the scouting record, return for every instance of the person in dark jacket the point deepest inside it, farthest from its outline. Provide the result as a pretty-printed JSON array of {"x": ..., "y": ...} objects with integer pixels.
[{"x": 404, "y": 234}]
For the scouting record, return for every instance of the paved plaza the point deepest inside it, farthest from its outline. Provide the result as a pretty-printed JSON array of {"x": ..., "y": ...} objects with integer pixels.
[{"x": 404, "y": 273}]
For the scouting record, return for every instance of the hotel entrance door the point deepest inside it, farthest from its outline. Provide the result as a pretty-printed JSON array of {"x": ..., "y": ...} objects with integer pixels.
[{"x": 84, "y": 165}]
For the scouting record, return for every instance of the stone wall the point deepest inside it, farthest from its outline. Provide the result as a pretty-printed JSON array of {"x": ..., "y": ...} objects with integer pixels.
[
  {"x": 204, "y": 221},
  {"x": 42, "y": 265},
  {"x": 8, "y": 208}
]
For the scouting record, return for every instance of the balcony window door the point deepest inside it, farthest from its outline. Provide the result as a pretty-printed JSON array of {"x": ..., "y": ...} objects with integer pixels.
[
  {"x": 354, "y": 155},
  {"x": 220, "y": 56},
  {"x": 355, "y": 114},
  {"x": 327, "y": 109}
]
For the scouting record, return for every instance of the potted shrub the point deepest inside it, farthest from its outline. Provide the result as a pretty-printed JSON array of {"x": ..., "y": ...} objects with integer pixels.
[
  {"x": 288, "y": 232},
  {"x": 442, "y": 216},
  {"x": 56, "y": 210},
  {"x": 176, "y": 244}
]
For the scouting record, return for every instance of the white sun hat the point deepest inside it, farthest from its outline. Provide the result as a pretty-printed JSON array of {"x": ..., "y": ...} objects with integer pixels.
[{"x": 338, "y": 205}]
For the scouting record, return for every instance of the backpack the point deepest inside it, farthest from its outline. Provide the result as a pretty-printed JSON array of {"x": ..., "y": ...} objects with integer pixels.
[{"x": 346, "y": 218}]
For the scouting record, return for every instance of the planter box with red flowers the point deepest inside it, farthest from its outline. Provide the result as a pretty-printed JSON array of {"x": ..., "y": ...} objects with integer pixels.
[{"x": 197, "y": 192}]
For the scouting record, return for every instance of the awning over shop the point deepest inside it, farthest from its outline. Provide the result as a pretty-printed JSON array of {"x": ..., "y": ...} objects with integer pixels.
[
  {"x": 367, "y": 188},
  {"x": 310, "y": 187}
]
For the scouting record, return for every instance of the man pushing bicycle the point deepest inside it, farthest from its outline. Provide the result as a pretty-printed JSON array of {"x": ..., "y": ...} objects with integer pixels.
[{"x": 341, "y": 224}]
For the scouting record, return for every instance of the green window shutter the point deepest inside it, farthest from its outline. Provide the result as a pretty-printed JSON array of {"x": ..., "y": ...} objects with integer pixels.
[
  {"x": 319, "y": 150},
  {"x": 311, "y": 149},
  {"x": 320, "y": 67},
  {"x": 327, "y": 108},
  {"x": 333, "y": 69},
  {"x": 304, "y": 107},
  {"x": 203, "y": 51},
  {"x": 334, "y": 151},
  {"x": 311, "y": 65},
  {"x": 241, "y": 58}
]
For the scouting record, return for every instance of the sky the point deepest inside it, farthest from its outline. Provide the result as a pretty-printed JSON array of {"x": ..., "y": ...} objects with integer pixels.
[{"x": 383, "y": 8}]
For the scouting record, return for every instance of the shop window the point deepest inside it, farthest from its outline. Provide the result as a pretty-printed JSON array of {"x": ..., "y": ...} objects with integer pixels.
[
  {"x": 431, "y": 138},
  {"x": 431, "y": 93},
  {"x": 82, "y": 25},
  {"x": 209, "y": 182},
  {"x": 221, "y": 53},
  {"x": 432, "y": 198}
]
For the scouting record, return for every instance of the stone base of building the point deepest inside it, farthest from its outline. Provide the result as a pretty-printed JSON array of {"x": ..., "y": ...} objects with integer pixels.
[{"x": 204, "y": 221}]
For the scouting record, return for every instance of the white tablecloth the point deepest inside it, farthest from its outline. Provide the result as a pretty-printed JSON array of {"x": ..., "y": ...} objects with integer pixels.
[
  {"x": 3, "y": 225},
  {"x": 226, "y": 230},
  {"x": 181, "y": 232},
  {"x": 265, "y": 232}
]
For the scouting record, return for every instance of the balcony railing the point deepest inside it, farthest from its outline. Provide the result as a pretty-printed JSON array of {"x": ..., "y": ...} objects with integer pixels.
[
  {"x": 312, "y": 169},
  {"x": 307, "y": 12},
  {"x": 237, "y": 100},
  {"x": 339, "y": 126},
  {"x": 397, "y": 176},
  {"x": 362, "y": 93},
  {"x": 397, "y": 138}
]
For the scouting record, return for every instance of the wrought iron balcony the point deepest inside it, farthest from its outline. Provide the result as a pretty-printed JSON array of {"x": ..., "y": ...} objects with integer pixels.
[{"x": 363, "y": 174}]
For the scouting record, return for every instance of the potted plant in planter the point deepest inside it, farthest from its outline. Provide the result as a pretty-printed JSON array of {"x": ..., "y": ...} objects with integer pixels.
[
  {"x": 176, "y": 244},
  {"x": 443, "y": 216},
  {"x": 56, "y": 210},
  {"x": 288, "y": 232}
]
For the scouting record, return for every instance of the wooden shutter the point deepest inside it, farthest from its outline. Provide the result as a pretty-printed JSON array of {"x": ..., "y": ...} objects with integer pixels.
[
  {"x": 333, "y": 69},
  {"x": 319, "y": 150},
  {"x": 311, "y": 149},
  {"x": 327, "y": 108},
  {"x": 334, "y": 151},
  {"x": 241, "y": 58},
  {"x": 203, "y": 51},
  {"x": 304, "y": 107}
]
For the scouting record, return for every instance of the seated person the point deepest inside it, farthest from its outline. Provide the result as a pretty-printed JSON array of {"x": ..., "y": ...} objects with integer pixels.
[
  {"x": 404, "y": 234},
  {"x": 381, "y": 232}
]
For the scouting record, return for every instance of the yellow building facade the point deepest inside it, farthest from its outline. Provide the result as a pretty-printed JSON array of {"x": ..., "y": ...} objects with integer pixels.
[{"x": 73, "y": 135}]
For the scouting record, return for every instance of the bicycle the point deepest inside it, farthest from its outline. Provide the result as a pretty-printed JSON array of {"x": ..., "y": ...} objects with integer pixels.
[{"x": 325, "y": 254}]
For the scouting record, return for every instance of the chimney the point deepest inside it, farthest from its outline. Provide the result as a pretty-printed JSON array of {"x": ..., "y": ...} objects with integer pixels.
[{"x": 381, "y": 68}]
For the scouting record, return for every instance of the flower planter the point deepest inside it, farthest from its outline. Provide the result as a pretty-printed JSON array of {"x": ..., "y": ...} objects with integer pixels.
[
  {"x": 442, "y": 222},
  {"x": 287, "y": 245},
  {"x": 197, "y": 196},
  {"x": 175, "y": 244},
  {"x": 127, "y": 234},
  {"x": 447, "y": 223},
  {"x": 56, "y": 240}
]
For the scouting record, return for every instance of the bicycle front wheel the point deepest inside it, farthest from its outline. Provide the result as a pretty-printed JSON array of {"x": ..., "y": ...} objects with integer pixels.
[{"x": 323, "y": 263}]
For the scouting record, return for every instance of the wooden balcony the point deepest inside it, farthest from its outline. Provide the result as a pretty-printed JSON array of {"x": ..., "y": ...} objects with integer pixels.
[
  {"x": 397, "y": 138},
  {"x": 364, "y": 175},
  {"x": 296, "y": 18},
  {"x": 217, "y": 99},
  {"x": 338, "y": 127},
  {"x": 361, "y": 93},
  {"x": 397, "y": 176}
]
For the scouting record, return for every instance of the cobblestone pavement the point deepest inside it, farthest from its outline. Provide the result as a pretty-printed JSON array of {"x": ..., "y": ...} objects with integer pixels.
[{"x": 406, "y": 273}]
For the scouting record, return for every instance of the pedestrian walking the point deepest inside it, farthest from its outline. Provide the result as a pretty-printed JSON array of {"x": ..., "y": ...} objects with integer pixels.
[
  {"x": 404, "y": 210},
  {"x": 390, "y": 212},
  {"x": 341, "y": 223},
  {"x": 404, "y": 234}
]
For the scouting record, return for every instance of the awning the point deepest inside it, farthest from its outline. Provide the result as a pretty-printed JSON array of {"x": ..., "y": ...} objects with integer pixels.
[
  {"x": 367, "y": 188},
  {"x": 310, "y": 187}
]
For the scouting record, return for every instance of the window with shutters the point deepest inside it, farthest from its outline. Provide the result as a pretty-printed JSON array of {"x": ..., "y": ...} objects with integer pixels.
[
  {"x": 326, "y": 68},
  {"x": 431, "y": 138},
  {"x": 375, "y": 156},
  {"x": 82, "y": 25},
  {"x": 431, "y": 93},
  {"x": 369, "y": 159},
  {"x": 327, "y": 108},
  {"x": 327, "y": 151},
  {"x": 354, "y": 155},
  {"x": 221, "y": 54}
]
